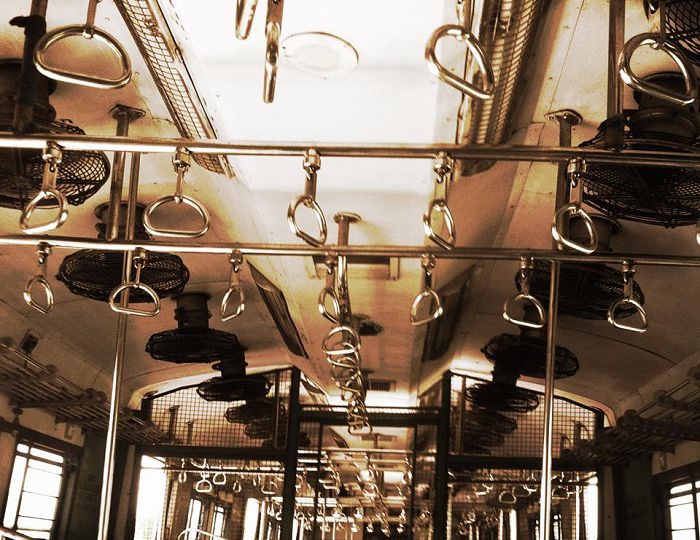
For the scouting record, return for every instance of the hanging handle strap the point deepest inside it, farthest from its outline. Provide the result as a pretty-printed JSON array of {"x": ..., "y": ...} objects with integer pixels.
[
  {"x": 463, "y": 34},
  {"x": 329, "y": 292},
  {"x": 88, "y": 31},
  {"x": 312, "y": 163},
  {"x": 527, "y": 264},
  {"x": 181, "y": 164},
  {"x": 273, "y": 30},
  {"x": 347, "y": 344},
  {"x": 442, "y": 167},
  {"x": 204, "y": 485},
  {"x": 427, "y": 295},
  {"x": 52, "y": 156},
  {"x": 39, "y": 280},
  {"x": 245, "y": 13},
  {"x": 575, "y": 170},
  {"x": 628, "y": 271},
  {"x": 234, "y": 295},
  {"x": 140, "y": 259}
]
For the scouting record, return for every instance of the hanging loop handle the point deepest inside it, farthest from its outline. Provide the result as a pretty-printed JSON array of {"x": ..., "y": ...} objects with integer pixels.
[
  {"x": 463, "y": 34},
  {"x": 628, "y": 271},
  {"x": 427, "y": 294},
  {"x": 52, "y": 156},
  {"x": 659, "y": 43},
  {"x": 268, "y": 490},
  {"x": 204, "y": 485},
  {"x": 349, "y": 343},
  {"x": 312, "y": 163},
  {"x": 219, "y": 478},
  {"x": 527, "y": 264},
  {"x": 575, "y": 169},
  {"x": 181, "y": 164},
  {"x": 329, "y": 292},
  {"x": 245, "y": 13},
  {"x": 39, "y": 280},
  {"x": 88, "y": 31},
  {"x": 442, "y": 167},
  {"x": 273, "y": 30},
  {"x": 140, "y": 259},
  {"x": 235, "y": 292}
]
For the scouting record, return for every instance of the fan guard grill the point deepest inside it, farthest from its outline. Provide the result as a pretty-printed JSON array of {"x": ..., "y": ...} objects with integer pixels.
[
  {"x": 81, "y": 174},
  {"x": 651, "y": 195},
  {"x": 529, "y": 356},
  {"x": 95, "y": 274},
  {"x": 585, "y": 290},
  {"x": 236, "y": 388},
  {"x": 502, "y": 397},
  {"x": 258, "y": 409},
  {"x": 186, "y": 345},
  {"x": 683, "y": 26}
]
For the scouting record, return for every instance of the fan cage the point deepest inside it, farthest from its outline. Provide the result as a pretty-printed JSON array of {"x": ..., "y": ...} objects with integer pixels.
[
  {"x": 585, "y": 290},
  {"x": 192, "y": 421},
  {"x": 683, "y": 26},
  {"x": 191, "y": 345},
  {"x": 95, "y": 274},
  {"x": 528, "y": 356},
  {"x": 574, "y": 424},
  {"x": 81, "y": 174},
  {"x": 650, "y": 195}
]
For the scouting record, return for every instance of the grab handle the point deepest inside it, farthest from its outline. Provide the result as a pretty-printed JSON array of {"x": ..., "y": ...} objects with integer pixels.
[
  {"x": 273, "y": 30},
  {"x": 235, "y": 291},
  {"x": 348, "y": 346},
  {"x": 43, "y": 251},
  {"x": 576, "y": 167},
  {"x": 181, "y": 164},
  {"x": 445, "y": 75},
  {"x": 660, "y": 43},
  {"x": 427, "y": 294},
  {"x": 443, "y": 169},
  {"x": 245, "y": 13},
  {"x": 52, "y": 156},
  {"x": 312, "y": 163},
  {"x": 628, "y": 272},
  {"x": 329, "y": 292},
  {"x": 140, "y": 258},
  {"x": 88, "y": 31},
  {"x": 526, "y": 267}
]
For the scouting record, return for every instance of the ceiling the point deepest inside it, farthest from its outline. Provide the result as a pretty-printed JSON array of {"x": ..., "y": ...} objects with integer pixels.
[{"x": 389, "y": 97}]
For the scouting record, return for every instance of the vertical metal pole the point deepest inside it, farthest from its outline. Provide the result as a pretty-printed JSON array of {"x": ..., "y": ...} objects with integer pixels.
[
  {"x": 318, "y": 482},
  {"x": 110, "y": 447},
  {"x": 616, "y": 41},
  {"x": 124, "y": 115},
  {"x": 567, "y": 119},
  {"x": 411, "y": 508},
  {"x": 290, "y": 461},
  {"x": 441, "y": 454}
]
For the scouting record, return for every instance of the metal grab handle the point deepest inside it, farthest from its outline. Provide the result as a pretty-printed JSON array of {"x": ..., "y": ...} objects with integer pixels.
[
  {"x": 526, "y": 266},
  {"x": 628, "y": 272},
  {"x": 181, "y": 163},
  {"x": 234, "y": 290},
  {"x": 245, "y": 13},
  {"x": 203, "y": 485},
  {"x": 507, "y": 497},
  {"x": 273, "y": 30},
  {"x": 560, "y": 222},
  {"x": 219, "y": 479},
  {"x": 697, "y": 233},
  {"x": 428, "y": 265},
  {"x": 236, "y": 487},
  {"x": 312, "y": 163},
  {"x": 139, "y": 262},
  {"x": 88, "y": 31},
  {"x": 43, "y": 251},
  {"x": 445, "y": 75},
  {"x": 658, "y": 42},
  {"x": 329, "y": 292},
  {"x": 52, "y": 156},
  {"x": 348, "y": 347},
  {"x": 272, "y": 489},
  {"x": 442, "y": 167}
]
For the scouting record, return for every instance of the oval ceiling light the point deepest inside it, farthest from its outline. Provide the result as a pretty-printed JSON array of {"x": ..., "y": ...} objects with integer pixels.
[{"x": 320, "y": 54}]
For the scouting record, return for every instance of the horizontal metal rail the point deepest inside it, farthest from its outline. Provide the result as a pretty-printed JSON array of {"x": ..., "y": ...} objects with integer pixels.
[
  {"x": 368, "y": 251},
  {"x": 552, "y": 154}
]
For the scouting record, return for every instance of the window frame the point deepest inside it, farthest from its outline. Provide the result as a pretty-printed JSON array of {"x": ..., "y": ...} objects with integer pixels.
[
  {"x": 40, "y": 443},
  {"x": 664, "y": 482}
]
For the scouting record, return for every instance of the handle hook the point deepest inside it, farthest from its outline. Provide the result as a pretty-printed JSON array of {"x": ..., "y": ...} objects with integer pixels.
[
  {"x": 140, "y": 259},
  {"x": 52, "y": 156},
  {"x": 527, "y": 264},
  {"x": 443, "y": 167},
  {"x": 576, "y": 168},
  {"x": 235, "y": 290},
  {"x": 427, "y": 294},
  {"x": 43, "y": 251},
  {"x": 628, "y": 271},
  {"x": 329, "y": 291},
  {"x": 312, "y": 164}
]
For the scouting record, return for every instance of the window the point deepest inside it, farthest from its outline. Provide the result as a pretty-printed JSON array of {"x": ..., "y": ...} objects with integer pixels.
[
  {"x": 151, "y": 498},
  {"x": 682, "y": 510},
  {"x": 219, "y": 521},
  {"x": 35, "y": 489},
  {"x": 194, "y": 519}
]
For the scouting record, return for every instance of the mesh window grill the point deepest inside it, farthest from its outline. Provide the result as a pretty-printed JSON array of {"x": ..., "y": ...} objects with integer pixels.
[
  {"x": 190, "y": 420},
  {"x": 573, "y": 424},
  {"x": 508, "y": 500},
  {"x": 170, "y": 75}
]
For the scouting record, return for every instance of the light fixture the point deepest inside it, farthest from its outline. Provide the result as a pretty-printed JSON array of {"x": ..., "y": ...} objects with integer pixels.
[{"x": 319, "y": 53}]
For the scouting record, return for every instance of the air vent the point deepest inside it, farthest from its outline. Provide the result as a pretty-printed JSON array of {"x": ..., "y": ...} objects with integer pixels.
[{"x": 380, "y": 385}]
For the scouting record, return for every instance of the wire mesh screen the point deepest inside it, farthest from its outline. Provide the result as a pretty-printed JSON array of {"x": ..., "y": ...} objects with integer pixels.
[
  {"x": 492, "y": 431},
  {"x": 504, "y": 503},
  {"x": 190, "y": 420}
]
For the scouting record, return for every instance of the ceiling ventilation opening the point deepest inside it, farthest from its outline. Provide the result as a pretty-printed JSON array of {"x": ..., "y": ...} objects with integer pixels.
[
  {"x": 192, "y": 340},
  {"x": 95, "y": 274}
]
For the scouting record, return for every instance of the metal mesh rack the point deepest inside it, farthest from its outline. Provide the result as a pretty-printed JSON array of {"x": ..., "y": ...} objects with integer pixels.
[{"x": 189, "y": 420}]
